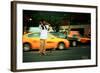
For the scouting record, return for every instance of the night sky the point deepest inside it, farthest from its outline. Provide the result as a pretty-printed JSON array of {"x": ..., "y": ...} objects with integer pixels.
[{"x": 55, "y": 18}]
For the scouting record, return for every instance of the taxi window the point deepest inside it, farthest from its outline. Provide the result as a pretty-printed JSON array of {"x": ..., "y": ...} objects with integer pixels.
[
  {"x": 51, "y": 36},
  {"x": 34, "y": 35}
]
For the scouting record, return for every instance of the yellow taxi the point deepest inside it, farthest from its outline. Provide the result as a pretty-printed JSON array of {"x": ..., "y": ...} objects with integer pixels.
[{"x": 32, "y": 41}]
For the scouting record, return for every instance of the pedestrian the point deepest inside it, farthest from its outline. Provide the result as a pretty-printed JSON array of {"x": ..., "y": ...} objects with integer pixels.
[{"x": 43, "y": 36}]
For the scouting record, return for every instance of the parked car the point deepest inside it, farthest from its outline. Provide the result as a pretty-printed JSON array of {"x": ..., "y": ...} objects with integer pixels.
[
  {"x": 32, "y": 41},
  {"x": 75, "y": 38}
]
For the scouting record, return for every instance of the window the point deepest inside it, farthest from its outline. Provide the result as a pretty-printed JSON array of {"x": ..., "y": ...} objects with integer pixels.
[{"x": 34, "y": 35}]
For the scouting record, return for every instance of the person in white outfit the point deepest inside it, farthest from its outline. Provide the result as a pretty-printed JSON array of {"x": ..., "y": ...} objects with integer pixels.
[{"x": 43, "y": 36}]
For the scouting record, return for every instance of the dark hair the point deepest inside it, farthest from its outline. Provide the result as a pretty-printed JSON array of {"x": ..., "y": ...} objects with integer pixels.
[
  {"x": 43, "y": 27},
  {"x": 42, "y": 20}
]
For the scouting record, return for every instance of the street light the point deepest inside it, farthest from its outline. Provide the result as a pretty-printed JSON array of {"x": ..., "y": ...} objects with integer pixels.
[
  {"x": 30, "y": 19},
  {"x": 29, "y": 23}
]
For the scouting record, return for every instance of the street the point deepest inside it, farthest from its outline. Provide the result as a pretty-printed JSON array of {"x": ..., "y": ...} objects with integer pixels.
[{"x": 72, "y": 53}]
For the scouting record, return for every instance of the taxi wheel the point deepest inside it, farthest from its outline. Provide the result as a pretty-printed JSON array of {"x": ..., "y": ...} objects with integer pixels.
[
  {"x": 26, "y": 47},
  {"x": 61, "y": 46}
]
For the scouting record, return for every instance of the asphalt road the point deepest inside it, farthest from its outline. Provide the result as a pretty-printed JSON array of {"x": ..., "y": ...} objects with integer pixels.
[{"x": 72, "y": 53}]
